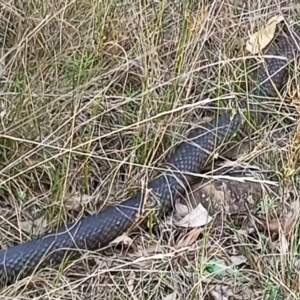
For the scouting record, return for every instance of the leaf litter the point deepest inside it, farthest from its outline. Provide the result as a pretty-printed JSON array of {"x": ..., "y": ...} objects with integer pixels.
[{"x": 261, "y": 39}]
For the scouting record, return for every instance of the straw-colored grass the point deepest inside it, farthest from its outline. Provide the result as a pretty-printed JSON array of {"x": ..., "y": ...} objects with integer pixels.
[{"x": 94, "y": 94}]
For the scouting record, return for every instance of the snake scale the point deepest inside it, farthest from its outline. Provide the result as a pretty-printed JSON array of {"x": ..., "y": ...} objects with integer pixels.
[{"x": 191, "y": 156}]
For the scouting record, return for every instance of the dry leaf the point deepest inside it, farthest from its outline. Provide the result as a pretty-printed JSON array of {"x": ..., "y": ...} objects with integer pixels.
[
  {"x": 284, "y": 245},
  {"x": 181, "y": 209},
  {"x": 259, "y": 40},
  {"x": 130, "y": 281},
  {"x": 124, "y": 239},
  {"x": 170, "y": 297},
  {"x": 76, "y": 202},
  {"x": 218, "y": 296},
  {"x": 35, "y": 227},
  {"x": 196, "y": 218},
  {"x": 206, "y": 119},
  {"x": 3, "y": 70},
  {"x": 291, "y": 221},
  {"x": 189, "y": 238},
  {"x": 274, "y": 225},
  {"x": 238, "y": 260},
  {"x": 3, "y": 111}
]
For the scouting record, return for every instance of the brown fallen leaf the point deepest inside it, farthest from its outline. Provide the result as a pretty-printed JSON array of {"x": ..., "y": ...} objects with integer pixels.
[
  {"x": 34, "y": 227},
  {"x": 290, "y": 222},
  {"x": 171, "y": 296},
  {"x": 181, "y": 209},
  {"x": 284, "y": 245},
  {"x": 273, "y": 225},
  {"x": 238, "y": 260},
  {"x": 130, "y": 281},
  {"x": 196, "y": 218},
  {"x": 260, "y": 39},
  {"x": 3, "y": 70},
  {"x": 216, "y": 295},
  {"x": 286, "y": 224},
  {"x": 189, "y": 238},
  {"x": 124, "y": 239},
  {"x": 77, "y": 201}
]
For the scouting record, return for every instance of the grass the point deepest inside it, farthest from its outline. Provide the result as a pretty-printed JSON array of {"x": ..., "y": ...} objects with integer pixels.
[{"x": 94, "y": 95}]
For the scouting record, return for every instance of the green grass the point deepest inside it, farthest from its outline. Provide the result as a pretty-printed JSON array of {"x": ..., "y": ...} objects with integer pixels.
[{"x": 94, "y": 97}]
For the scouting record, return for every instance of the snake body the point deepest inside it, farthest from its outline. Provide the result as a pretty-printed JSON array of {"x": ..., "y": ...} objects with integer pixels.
[{"x": 191, "y": 156}]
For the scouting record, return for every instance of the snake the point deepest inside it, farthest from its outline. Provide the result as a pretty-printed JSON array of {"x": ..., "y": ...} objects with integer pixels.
[{"x": 186, "y": 161}]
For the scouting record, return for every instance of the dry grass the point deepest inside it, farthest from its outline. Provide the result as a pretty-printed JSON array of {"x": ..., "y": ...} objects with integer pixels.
[{"x": 93, "y": 95}]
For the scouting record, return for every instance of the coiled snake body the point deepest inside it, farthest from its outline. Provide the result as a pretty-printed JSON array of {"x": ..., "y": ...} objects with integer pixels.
[{"x": 191, "y": 156}]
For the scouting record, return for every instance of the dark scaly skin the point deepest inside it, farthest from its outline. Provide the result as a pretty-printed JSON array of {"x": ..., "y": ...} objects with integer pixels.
[
  {"x": 191, "y": 156},
  {"x": 275, "y": 63}
]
